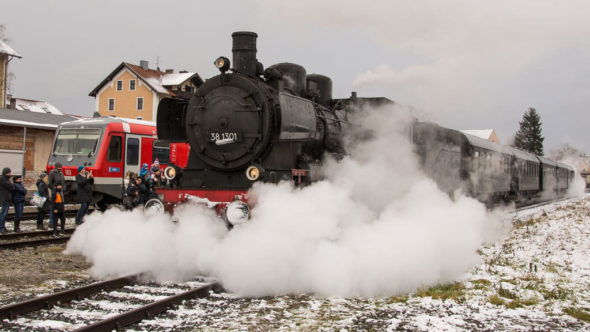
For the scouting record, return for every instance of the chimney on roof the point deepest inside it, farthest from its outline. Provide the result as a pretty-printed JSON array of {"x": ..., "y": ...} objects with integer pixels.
[
  {"x": 183, "y": 72},
  {"x": 144, "y": 64},
  {"x": 12, "y": 105},
  {"x": 169, "y": 71}
]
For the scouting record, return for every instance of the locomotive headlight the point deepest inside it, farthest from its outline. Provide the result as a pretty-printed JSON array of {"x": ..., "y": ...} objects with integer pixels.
[
  {"x": 253, "y": 172},
  {"x": 222, "y": 63},
  {"x": 237, "y": 212},
  {"x": 170, "y": 173}
]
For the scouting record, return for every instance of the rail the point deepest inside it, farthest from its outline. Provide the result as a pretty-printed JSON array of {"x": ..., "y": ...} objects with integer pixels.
[
  {"x": 34, "y": 243},
  {"x": 10, "y": 311},
  {"x": 147, "y": 311}
]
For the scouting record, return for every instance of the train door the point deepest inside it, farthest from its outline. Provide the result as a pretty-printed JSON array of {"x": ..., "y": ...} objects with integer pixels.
[{"x": 133, "y": 153}]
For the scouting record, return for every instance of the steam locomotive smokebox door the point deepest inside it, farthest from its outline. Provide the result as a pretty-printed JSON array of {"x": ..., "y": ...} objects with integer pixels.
[{"x": 229, "y": 127}]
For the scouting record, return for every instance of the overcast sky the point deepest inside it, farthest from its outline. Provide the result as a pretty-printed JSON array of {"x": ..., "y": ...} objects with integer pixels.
[{"x": 464, "y": 64}]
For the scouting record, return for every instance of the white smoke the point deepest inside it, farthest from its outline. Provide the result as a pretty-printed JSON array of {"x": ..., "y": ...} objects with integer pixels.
[{"x": 374, "y": 227}]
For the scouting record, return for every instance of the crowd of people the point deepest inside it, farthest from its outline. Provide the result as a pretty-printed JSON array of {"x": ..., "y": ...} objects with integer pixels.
[
  {"x": 51, "y": 191},
  {"x": 140, "y": 188}
]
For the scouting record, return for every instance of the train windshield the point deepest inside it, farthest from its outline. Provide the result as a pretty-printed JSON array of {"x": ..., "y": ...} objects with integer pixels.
[{"x": 76, "y": 141}]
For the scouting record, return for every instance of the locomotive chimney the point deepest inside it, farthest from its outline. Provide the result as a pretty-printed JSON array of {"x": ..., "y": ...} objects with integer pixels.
[{"x": 244, "y": 52}]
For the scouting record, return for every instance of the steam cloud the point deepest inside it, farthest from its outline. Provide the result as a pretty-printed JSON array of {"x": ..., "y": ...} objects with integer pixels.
[{"x": 375, "y": 226}]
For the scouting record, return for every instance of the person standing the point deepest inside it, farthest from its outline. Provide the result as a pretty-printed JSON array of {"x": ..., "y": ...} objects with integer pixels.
[
  {"x": 18, "y": 198},
  {"x": 57, "y": 200},
  {"x": 56, "y": 178},
  {"x": 43, "y": 188},
  {"x": 141, "y": 191},
  {"x": 6, "y": 188},
  {"x": 84, "y": 180}
]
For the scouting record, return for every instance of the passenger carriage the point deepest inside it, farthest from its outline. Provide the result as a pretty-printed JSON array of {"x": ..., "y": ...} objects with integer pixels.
[{"x": 109, "y": 148}]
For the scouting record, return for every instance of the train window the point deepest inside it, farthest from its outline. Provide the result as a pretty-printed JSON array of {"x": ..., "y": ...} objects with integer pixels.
[
  {"x": 161, "y": 151},
  {"x": 132, "y": 151},
  {"x": 115, "y": 149},
  {"x": 80, "y": 141}
]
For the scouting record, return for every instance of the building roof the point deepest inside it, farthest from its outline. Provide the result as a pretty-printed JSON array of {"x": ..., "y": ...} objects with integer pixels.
[
  {"x": 155, "y": 79},
  {"x": 35, "y": 106},
  {"x": 5, "y": 49},
  {"x": 482, "y": 133},
  {"x": 18, "y": 118}
]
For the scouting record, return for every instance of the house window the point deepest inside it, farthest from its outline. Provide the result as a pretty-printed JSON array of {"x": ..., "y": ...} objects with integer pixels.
[
  {"x": 139, "y": 118},
  {"x": 111, "y": 104},
  {"x": 119, "y": 85},
  {"x": 139, "y": 103},
  {"x": 131, "y": 85}
]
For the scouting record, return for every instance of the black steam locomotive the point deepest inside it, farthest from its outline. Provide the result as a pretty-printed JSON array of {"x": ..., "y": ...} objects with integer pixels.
[{"x": 253, "y": 124}]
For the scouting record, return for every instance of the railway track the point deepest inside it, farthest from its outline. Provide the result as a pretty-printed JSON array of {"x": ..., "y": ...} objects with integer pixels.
[
  {"x": 83, "y": 308},
  {"x": 33, "y": 239}
]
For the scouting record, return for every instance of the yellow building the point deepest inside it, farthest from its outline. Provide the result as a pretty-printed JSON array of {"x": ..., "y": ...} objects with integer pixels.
[
  {"x": 132, "y": 91},
  {"x": 6, "y": 55}
]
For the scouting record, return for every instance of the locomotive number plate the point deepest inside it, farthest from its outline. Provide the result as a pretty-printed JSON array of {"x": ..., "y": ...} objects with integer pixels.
[{"x": 223, "y": 138}]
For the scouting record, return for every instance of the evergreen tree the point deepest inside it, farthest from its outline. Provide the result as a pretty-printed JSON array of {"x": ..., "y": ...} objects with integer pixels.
[{"x": 529, "y": 137}]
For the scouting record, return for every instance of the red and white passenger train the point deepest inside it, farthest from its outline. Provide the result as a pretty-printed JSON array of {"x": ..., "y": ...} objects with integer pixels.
[{"x": 110, "y": 148}]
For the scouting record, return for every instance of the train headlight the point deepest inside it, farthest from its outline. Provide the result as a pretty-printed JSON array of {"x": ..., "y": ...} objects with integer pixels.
[
  {"x": 253, "y": 172},
  {"x": 170, "y": 173},
  {"x": 237, "y": 212},
  {"x": 222, "y": 63}
]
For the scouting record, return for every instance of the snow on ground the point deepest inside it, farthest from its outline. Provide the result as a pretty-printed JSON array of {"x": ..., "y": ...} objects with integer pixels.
[{"x": 538, "y": 279}]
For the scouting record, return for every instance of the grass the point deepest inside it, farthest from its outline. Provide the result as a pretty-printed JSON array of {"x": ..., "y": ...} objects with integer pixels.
[
  {"x": 481, "y": 283},
  {"x": 578, "y": 314},
  {"x": 555, "y": 294},
  {"x": 454, "y": 291},
  {"x": 496, "y": 300},
  {"x": 397, "y": 299},
  {"x": 531, "y": 221}
]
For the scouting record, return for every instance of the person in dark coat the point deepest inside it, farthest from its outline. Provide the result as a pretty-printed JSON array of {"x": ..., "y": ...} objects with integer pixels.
[
  {"x": 58, "y": 207},
  {"x": 84, "y": 180},
  {"x": 18, "y": 198},
  {"x": 43, "y": 188},
  {"x": 131, "y": 194},
  {"x": 56, "y": 178},
  {"x": 141, "y": 191},
  {"x": 6, "y": 188}
]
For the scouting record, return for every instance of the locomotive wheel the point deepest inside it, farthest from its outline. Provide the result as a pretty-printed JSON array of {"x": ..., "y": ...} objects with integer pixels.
[
  {"x": 102, "y": 205},
  {"x": 154, "y": 206}
]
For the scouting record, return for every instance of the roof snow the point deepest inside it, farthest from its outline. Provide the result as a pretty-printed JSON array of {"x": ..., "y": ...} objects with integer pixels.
[
  {"x": 5, "y": 49},
  {"x": 36, "y": 106},
  {"x": 483, "y": 133},
  {"x": 175, "y": 79},
  {"x": 156, "y": 85}
]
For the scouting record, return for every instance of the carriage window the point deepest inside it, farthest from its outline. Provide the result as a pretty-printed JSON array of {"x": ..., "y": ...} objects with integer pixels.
[
  {"x": 132, "y": 151},
  {"x": 115, "y": 149},
  {"x": 161, "y": 151},
  {"x": 78, "y": 141}
]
